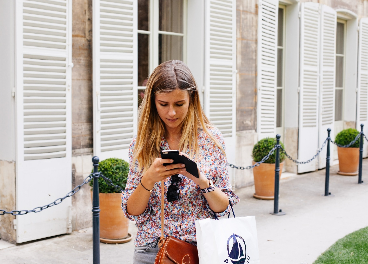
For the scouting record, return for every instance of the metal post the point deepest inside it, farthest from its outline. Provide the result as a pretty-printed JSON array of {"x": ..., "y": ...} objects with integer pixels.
[
  {"x": 360, "y": 154},
  {"x": 328, "y": 158},
  {"x": 96, "y": 213},
  {"x": 276, "y": 210}
]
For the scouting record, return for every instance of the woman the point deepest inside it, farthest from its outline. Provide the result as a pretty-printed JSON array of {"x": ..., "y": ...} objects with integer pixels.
[{"x": 171, "y": 118}]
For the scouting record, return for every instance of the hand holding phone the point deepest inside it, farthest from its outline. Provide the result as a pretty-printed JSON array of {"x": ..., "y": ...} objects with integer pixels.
[{"x": 190, "y": 165}]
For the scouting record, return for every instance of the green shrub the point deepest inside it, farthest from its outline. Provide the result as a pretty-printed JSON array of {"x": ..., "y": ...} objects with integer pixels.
[
  {"x": 116, "y": 170},
  {"x": 263, "y": 147},
  {"x": 346, "y": 136}
]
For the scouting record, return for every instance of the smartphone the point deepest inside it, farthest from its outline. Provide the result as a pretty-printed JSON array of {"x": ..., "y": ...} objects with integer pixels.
[{"x": 190, "y": 165}]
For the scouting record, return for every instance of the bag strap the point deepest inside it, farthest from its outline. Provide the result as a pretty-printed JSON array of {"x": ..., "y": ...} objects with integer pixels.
[{"x": 162, "y": 209}]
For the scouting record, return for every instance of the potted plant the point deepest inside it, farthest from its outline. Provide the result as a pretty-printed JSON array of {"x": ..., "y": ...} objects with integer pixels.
[
  {"x": 348, "y": 157},
  {"x": 113, "y": 223},
  {"x": 264, "y": 174}
]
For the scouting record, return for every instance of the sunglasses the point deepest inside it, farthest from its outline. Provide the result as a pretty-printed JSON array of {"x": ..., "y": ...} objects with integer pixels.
[{"x": 173, "y": 192}]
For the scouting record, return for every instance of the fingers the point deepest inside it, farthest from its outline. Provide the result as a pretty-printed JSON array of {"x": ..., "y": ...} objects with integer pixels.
[
  {"x": 159, "y": 172},
  {"x": 163, "y": 161},
  {"x": 160, "y": 165},
  {"x": 168, "y": 173},
  {"x": 174, "y": 166},
  {"x": 162, "y": 172}
]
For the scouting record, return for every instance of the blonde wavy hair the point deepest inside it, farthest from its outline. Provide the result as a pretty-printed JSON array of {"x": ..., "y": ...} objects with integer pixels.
[{"x": 165, "y": 78}]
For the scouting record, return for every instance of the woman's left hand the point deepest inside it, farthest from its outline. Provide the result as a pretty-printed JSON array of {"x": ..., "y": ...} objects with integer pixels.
[
  {"x": 217, "y": 200},
  {"x": 202, "y": 181}
]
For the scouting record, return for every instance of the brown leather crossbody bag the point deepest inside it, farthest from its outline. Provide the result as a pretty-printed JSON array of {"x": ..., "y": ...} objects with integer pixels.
[{"x": 173, "y": 250}]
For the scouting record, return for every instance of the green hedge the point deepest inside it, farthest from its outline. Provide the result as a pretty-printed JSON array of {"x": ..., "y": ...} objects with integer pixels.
[
  {"x": 263, "y": 147},
  {"x": 346, "y": 136},
  {"x": 116, "y": 170}
]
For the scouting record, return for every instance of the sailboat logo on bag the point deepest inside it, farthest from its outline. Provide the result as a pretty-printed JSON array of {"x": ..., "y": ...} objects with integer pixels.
[{"x": 236, "y": 250}]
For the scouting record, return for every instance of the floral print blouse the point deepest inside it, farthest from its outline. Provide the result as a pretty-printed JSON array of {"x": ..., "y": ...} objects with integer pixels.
[{"x": 180, "y": 215}]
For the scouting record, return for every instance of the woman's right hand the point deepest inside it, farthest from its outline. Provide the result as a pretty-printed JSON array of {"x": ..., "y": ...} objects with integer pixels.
[{"x": 158, "y": 172}]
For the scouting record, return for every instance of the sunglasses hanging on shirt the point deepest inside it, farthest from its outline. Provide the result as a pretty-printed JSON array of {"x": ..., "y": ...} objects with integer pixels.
[{"x": 173, "y": 192}]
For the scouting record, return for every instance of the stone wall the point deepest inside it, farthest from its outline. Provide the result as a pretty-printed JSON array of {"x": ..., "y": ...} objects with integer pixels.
[
  {"x": 7, "y": 200},
  {"x": 359, "y": 7},
  {"x": 246, "y": 92},
  {"x": 82, "y": 112},
  {"x": 82, "y": 107},
  {"x": 246, "y": 102},
  {"x": 291, "y": 146},
  {"x": 245, "y": 141},
  {"x": 82, "y": 201},
  {"x": 246, "y": 56},
  {"x": 352, "y": 5},
  {"x": 246, "y": 36},
  {"x": 350, "y": 124}
]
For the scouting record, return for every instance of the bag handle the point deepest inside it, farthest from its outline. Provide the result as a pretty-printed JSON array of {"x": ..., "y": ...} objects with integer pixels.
[{"x": 232, "y": 209}]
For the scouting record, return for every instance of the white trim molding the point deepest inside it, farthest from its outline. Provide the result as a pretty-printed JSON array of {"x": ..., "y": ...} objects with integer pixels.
[
  {"x": 288, "y": 2},
  {"x": 345, "y": 14}
]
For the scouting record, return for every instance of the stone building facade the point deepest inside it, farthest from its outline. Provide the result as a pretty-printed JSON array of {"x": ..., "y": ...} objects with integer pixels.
[{"x": 247, "y": 96}]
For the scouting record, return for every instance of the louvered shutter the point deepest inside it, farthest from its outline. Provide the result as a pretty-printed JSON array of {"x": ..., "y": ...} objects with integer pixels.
[
  {"x": 309, "y": 85},
  {"x": 220, "y": 68},
  {"x": 362, "y": 110},
  {"x": 43, "y": 98},
  {"x": 267, "y": 68},
  {"x": 327, "y": 78},
  {"x": 114, "y": 76}
]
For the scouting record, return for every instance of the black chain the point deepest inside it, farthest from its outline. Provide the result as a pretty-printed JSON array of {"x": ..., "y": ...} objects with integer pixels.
[
  {"x": 257, "y": 163},
  {"x": 351, "y": 143},
  {"x": 286, "y": 154},
  {"x": 109, "y": 182},
  {"x": 56, "y": 202},
  {"x": 120, "y": 189},
  {"x": 296, "y": 161},
  {"x": 365, "y": 137},
  {"x": 305, "y": 162}
]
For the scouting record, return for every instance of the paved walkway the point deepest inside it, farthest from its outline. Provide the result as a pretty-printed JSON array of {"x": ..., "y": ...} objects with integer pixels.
[{"x": 312, "y": 223}]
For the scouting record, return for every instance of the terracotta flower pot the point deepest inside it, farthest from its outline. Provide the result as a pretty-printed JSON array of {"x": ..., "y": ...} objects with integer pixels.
[
  {"x": 348, "y": 161},
  {"x": 113, "y": 223},
  {"x": 264, "y": 180}
]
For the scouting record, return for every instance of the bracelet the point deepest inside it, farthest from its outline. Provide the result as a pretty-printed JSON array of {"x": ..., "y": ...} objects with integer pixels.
[
  {"x": 211, "y": 187},
  {"x": 143, "y": 186}
]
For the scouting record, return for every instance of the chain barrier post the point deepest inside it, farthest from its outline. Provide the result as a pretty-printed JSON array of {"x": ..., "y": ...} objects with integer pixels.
[
  {"x": 96, "y": 212},
  {"x": 361, "y": 154},
  {"x": 276, "y": 210},
  {"x": 328, "y": 158}
]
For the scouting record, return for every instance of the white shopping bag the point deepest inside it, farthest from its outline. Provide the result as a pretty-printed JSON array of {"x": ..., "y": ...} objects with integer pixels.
[{"x": 231, "y": 240}]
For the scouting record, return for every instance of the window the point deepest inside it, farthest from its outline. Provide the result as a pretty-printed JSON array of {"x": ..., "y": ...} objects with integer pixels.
[
  {"x": 339, "y": 79},
  {"x": 161, "y": 36},
  {"x": 280, "y": 69}
]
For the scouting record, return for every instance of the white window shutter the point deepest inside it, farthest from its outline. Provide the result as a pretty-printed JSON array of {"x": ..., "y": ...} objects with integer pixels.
[
  {"x": 362, "y": 110},
  {"x": 267, "y": 68},
  {"x": 43, "y": 106},
  {"x": 327, "y": 78},
  {"x": 220, "y": 68},
  {"x": 114, "y": 77},
  {"x": 309, "y": 85}
]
